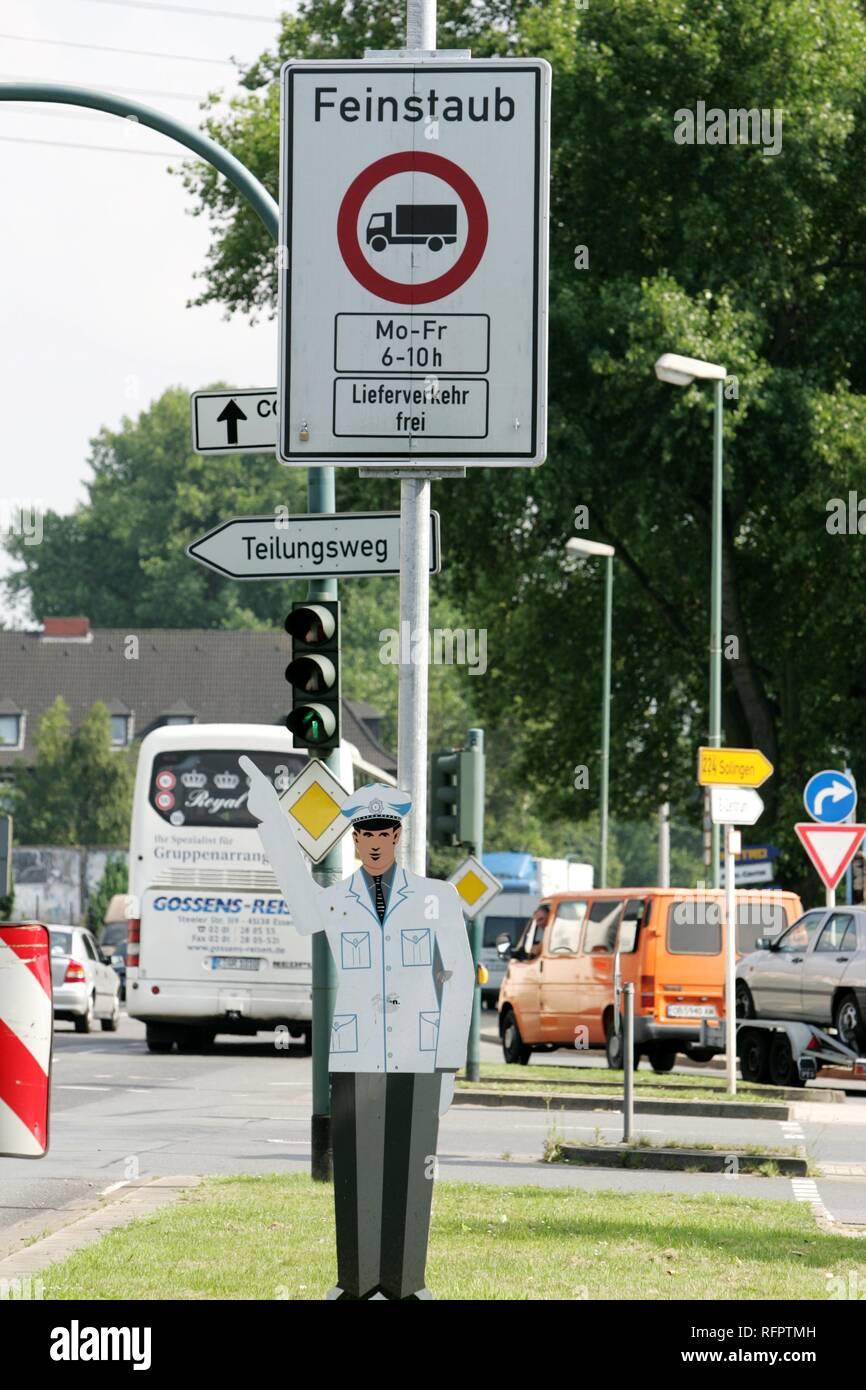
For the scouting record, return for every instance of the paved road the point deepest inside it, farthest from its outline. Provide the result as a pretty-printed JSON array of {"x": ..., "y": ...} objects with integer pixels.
[{"x": 119, "y": 1112}]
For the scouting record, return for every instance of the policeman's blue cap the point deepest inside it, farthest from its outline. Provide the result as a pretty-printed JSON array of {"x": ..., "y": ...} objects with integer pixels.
[{"x": 377, "y": 802}]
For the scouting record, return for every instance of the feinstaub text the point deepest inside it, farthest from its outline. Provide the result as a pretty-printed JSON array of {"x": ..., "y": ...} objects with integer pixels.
[{"x": 416, "y": 107}]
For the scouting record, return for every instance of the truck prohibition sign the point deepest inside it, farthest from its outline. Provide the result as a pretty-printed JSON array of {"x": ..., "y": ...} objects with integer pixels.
[{"x": 433, "y": 225}]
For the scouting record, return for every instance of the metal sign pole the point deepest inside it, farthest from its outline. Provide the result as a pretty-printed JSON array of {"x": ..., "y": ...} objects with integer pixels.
[
  {"x": 628, "y": 1065},
  {"x": 415, "y": 587},
  {"x": 730, "y": 962}
]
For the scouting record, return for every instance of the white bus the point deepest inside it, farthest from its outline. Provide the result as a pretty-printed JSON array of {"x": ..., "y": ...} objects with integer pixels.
[{"x": 211, "y": 946}]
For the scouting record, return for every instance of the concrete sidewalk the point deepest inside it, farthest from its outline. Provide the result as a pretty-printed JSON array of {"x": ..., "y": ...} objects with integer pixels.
[{"x": 117, "y": 1207}]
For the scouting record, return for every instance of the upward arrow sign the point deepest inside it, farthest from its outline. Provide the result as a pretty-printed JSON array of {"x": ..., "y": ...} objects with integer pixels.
[{"x": 231, "y": 413}]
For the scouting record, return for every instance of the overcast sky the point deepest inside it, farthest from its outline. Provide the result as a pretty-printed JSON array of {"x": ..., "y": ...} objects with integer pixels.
[{"x": 97, "y": 252}]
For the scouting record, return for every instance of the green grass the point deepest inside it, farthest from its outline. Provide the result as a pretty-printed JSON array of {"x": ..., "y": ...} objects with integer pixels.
[
  {"x": 272, "y": 1238},
  {"x": 572, "y": 1081}
]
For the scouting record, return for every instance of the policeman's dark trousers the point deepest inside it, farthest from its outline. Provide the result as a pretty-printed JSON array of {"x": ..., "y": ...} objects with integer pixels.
[{"x": 384, "y": 1130}]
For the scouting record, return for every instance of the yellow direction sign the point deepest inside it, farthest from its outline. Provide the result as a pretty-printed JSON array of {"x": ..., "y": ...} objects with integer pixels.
[
  {"x": 733, "y": 767},
  {"x": 476, "y": 886}
]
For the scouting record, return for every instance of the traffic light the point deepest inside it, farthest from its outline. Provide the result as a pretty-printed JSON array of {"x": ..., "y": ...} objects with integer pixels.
[
  {"x": 457, "y": 794},
  {"x": 314, "y": 675}
]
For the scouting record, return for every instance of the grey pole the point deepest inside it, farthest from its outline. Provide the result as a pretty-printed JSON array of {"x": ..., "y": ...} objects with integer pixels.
[
  {"x": 665, "y": 845},
  {"x": 716, "y": 602},
  {"x": 321, "y": 498},
  {"x": 476, "y": 936},
  {"x": 415, "y": 587},
  {"x": 628, "y": 1064},
  {"x": 605, "y": 722}
]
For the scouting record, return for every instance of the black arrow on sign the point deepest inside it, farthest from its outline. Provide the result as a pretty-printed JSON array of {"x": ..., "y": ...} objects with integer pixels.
[{"x": 231, "y": 413}]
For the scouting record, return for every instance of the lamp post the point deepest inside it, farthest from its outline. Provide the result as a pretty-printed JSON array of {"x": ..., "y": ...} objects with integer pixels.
[
  {"x": 580, "y": 547},
  {"x": 682, "y": 371}
]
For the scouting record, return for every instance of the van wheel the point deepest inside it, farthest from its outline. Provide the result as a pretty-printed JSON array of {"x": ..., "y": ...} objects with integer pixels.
[
  {"x": 848, "y": 1024},
  {"x": 663, "y": 1058},
  {"x": 783, "y": 1069},
  {"x": 613, "y": 1050},
  {"x": 754, "y": 1055},
  {"x": 745, "y": 1004},
  {"x": 514, "y": 1049},
  {"x": 84, "y": 1024}
]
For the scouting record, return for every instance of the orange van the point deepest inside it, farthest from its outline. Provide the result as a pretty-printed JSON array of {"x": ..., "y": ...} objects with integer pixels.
[{"x": 558, "y": 987}]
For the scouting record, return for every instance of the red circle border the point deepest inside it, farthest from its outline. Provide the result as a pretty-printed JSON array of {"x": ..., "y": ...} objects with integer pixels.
[{"x": 422, "y": 162}]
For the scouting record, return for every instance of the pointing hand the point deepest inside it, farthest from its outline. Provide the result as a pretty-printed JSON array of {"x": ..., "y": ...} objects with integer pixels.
[{"x": 263, "y": 800}]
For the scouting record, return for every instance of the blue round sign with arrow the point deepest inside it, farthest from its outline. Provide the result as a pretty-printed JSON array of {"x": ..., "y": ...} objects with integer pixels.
[{"x": 830, "y": 797}]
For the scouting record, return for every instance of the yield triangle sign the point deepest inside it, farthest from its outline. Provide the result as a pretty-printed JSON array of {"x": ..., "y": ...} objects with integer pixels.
[{"x": 830, "y": 848}]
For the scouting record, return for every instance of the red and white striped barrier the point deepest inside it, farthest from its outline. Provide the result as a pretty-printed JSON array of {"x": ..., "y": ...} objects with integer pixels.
[{"x": 26, "y": 1026}]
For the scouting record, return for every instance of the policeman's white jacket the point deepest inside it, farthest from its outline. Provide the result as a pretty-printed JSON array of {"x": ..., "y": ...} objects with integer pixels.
[{"x": 404, "y": 987}]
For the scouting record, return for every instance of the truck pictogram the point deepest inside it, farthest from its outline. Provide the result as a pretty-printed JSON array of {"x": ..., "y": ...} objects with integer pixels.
[{"x": 414, "y": 224}]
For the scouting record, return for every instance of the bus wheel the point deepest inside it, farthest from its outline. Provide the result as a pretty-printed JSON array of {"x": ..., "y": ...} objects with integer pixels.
[
  {"x": 663, "y": 1058},
  {"x": 157, "y": 1040},
  {"x": 783, "y": 1068},
  {"x": 514, "y": 1049},
  {"x": 754, "y": 1055}
]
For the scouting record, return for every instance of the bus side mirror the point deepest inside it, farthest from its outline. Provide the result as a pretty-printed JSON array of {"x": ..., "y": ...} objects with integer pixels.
[{"x": 27, "y": 1018}]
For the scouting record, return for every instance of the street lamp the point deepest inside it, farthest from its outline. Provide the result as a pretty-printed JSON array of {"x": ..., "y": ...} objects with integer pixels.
[
  {"x": 580, "y": 547},
  {"x": 682, "y": 371}
]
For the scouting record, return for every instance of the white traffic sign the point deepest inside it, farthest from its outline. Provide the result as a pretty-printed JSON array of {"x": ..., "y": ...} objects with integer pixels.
[
  {"x": 476, "y": 886},
  {"x": 313, "y": 805},
  {"x": 735, "y": 805},
  {"x": 234, "y": 422},
  {"x": 830, "y": 848},
  {"x": 308, "y": 546},
  {"x": 413, "y": 282}
]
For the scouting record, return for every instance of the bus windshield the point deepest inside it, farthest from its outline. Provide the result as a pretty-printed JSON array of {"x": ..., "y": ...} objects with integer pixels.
[{"x": 197, "y": 787}]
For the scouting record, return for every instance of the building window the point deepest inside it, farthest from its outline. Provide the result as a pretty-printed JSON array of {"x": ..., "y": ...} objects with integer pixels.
[
  {"x": 10, "y": 730},
  {"x": 119, "y": 730},
  {"x": 180, "y": 719}
]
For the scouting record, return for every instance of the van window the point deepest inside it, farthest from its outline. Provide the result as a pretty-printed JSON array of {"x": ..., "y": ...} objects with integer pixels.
[
  {"x": 757, "y": 918},
  {"x": 503, "y": 926},
  {"x": 599, "y": 938},
  {"x": 629, "y": 926},
  {"x": 695, "y": 928},
  {"x": 565, "y": 932},
  {"x": 533, "y": 932}
]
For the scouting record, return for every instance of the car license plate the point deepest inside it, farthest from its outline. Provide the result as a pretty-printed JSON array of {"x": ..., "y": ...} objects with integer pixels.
[
  {"x": 692, "y": 1011},
  {"x": 234, "y": 963}
]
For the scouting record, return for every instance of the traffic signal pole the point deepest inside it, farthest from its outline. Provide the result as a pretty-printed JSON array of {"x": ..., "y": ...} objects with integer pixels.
[{"x": 320, "y": 498}]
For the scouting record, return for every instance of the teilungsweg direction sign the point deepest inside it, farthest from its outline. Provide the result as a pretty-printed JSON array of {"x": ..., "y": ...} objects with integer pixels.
[
  {"x": 297, "y": 547},
  {"x": 830, "y": 797},
  {"x": 234, "y": 422}
]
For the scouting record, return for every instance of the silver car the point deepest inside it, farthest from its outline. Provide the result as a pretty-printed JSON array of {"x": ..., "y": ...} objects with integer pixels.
[
  {"x": 815, "y": 972},
  {"x": 85, "y": 986}
]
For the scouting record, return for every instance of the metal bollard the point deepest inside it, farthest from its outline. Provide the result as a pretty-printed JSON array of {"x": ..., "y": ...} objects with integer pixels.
[{"x": 628, "y": 1065}]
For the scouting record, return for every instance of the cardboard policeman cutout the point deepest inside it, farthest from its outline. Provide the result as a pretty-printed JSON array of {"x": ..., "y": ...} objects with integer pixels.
[{"x": 401, "y": 1020}]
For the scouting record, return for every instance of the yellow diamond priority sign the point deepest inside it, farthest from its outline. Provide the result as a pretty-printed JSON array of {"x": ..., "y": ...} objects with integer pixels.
[
  {"x": 733, "y": 767},
  {"x": 476, "y": 886},
  {"x": 312, "y": 804}
]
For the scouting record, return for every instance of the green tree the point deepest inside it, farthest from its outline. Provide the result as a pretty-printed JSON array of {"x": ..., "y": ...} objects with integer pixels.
[
  {"x": 79, "y": 790},
  {"x": 115, "y": 879}
]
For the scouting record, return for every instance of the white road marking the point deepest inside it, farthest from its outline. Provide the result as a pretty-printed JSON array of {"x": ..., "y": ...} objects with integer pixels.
[{"x": 68, "y": 1087}]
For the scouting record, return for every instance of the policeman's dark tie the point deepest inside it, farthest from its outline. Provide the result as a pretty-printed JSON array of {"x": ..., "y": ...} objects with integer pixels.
[{"x": 380, "y": 896}]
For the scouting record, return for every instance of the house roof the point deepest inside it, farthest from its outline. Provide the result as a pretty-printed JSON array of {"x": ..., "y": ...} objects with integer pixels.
[{"x": 218, "y": 676}]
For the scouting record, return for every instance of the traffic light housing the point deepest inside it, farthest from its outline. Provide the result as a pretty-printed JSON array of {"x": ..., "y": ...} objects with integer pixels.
[
  {"x": 457, "y": 795},
  {"x": 314, "y": 675}
]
